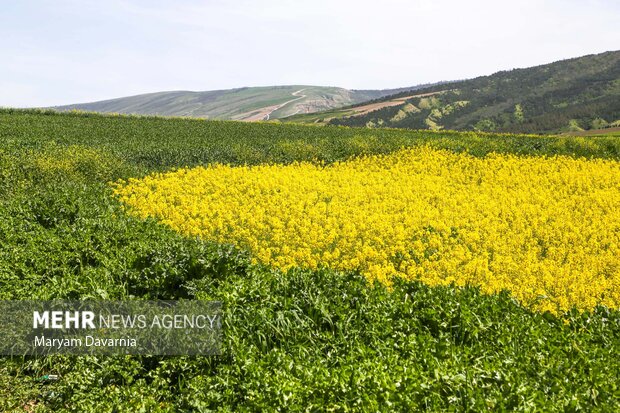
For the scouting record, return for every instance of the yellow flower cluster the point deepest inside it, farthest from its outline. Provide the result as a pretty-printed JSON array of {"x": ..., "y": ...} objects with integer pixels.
[
  {"x": 72, "y": 161},
  {"x": 547, "y": 229}
]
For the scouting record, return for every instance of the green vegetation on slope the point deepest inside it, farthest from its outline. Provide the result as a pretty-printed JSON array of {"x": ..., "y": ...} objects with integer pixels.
[
  {"x": 295, "y": 341},
  {"x": 574, "y": 94}
]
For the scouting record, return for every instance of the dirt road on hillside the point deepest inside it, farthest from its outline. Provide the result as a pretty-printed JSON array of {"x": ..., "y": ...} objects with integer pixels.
[{"x": 265, "y": 113}]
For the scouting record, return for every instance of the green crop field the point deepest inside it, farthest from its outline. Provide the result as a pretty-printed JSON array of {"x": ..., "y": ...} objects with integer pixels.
[{"x": 295, "y": 340}]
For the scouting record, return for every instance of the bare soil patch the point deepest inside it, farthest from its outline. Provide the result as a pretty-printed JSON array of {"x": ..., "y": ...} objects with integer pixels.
[
  {"x": 362, "y": 110},
  {"x": 595, "y": 132}
]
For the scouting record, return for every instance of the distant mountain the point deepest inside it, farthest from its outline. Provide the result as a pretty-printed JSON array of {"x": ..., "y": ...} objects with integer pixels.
[
  {"x": 569, "y": 95},
  {"x": 248, "y": 103}
]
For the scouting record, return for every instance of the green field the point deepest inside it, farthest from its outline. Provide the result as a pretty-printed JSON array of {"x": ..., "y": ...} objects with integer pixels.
[{"x": 295, "y": 341}]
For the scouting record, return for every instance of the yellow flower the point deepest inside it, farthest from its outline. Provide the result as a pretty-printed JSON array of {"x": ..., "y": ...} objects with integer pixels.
[{"x": 547, "y": 229}]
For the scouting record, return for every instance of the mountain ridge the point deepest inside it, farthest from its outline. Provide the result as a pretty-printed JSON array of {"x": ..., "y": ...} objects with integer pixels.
[
  {"x": 245, "y": 103},
  {"x": 568, "y": 95}
]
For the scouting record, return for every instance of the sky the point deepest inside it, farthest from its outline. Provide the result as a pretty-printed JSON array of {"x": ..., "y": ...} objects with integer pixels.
[{"x": 73, "y": 51}]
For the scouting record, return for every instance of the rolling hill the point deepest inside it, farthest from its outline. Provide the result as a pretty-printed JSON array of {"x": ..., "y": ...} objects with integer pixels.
[
  {"x": 565, "y": 96},
  {"x": 249, "y": 103}
]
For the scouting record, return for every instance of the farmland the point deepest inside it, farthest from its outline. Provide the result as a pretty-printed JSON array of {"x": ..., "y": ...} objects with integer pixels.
[
  {"x": 543, "y": 229},
  {"x": 312, "y": 334}
]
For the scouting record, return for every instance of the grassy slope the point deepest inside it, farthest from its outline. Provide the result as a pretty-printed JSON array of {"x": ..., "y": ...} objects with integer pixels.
[
  {"x": 296, "y": 341},
  {"x": 598, "y": 132},
  {"x": 550, "y": 96},
  {"x": 321, "y": 118},
  {"x": 232, "y": 103}
]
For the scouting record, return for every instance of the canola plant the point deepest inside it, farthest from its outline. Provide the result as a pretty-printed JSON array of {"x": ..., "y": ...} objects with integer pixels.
[{"x": 545, "y": 228}]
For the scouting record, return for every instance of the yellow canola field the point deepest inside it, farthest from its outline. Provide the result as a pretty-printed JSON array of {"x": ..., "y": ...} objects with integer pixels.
[{"x": 547, "y": 229}]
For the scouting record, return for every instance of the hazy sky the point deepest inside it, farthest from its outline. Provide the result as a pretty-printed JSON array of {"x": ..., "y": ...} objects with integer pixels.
[{"x": 69, "y": 51}]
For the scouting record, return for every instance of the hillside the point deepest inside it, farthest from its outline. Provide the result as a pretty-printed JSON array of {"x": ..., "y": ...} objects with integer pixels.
[
  {"x": 249, "y": 103},
  {"x": 568, "y": 95}
]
